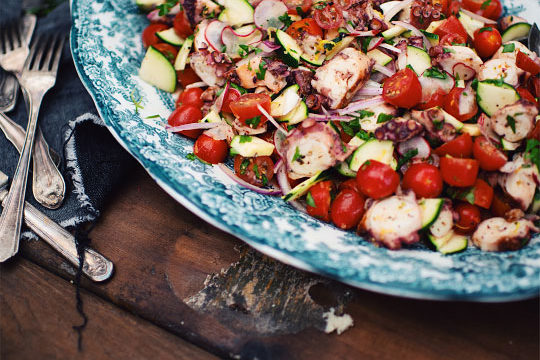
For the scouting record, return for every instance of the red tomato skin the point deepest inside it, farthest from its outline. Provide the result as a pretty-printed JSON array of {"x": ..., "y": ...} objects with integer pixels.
[
  {"x": 468, "y": 218},
  {"x": 489, "y": 157},
  {"x": 403, "y": 89},
  {"x": 182, "y": 26},
  {"x": 186, "y": 114},
  {"x": 483, "y": 194},
  {"x": 210, "y": 150},
  {"x": 500, "y": 204},
  {"x": 347, "y": 209},
  {"x": 190, "y": 97},
  {"x": 349, "y": 184},
  {"x": 436, "y": 99},
  {"x": 535, "y": 133},
  {"x": 451, "y": 105},
  {"x": 330, "y": 17},
  {"x": 524, "y": 62},
  {"x": 460, "y": 147},
  {"x": 321, "y": 194},
  {"x": 459, "y": 172},
  {"x": 453, "y": 8},
  {"x": 265, "y": 166},
  {"x": 377, "y": 180},
  {"x": 487, "y": 42},
  {"x": 526, "y": 95},
  {"x": 424, "y": 179},
  {"x": 452, "y": 26},
  {"x": 232, "y": 96},
  {"x": 149, "y": 37},
  {"x": 492, "y": 10},
  {"x": 168, "y": 50},
  {"x": 246, "y": 107},
  {"x": 187, "y": 76},
  {"x": 308, "y": 25}
]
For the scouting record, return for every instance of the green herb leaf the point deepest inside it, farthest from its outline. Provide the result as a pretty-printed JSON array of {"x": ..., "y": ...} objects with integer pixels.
[
  {"x": 407, "y": 157},
  {"x": 166, "y": 7},
  {"x": 191, "y": 156},
  {"x": 297, "y": 154},
  {"x": 256, "y": 171},
  {"x": 365, "y": 113},
  {"x": 508, "y": 48},
  {"x": 487, "y": 28},
  {"x": 309, "y": 200},
  {"x": 262, "y": 70},
  {"x": 511, "y": 122},
  {"x": 532, "y": 152},
  {"x": 446, "y": 50},
  {"x": 136, "y": 101},
  {"x": 433, "y": 72},
  {"x": 285, "y": 19},
  {"x": 254, "y": 121},
  {"x": 364, "y": 135},
  {"x": 485, "y": 4},
  {"x": 382, "y": 118},
  {"x": 244, "y": 165}
]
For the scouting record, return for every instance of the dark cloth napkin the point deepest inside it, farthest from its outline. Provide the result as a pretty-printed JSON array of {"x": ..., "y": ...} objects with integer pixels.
[{"x": 93, "y": 163}]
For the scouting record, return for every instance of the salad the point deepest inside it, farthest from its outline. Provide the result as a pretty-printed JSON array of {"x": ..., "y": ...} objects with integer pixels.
[{"x": 407, "y": 121}]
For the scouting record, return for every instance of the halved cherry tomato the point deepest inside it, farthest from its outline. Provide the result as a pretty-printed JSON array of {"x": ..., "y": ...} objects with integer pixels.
[
  {"x": 451, "y": 39},
  {"x": 487, "y": 41},
  {"x": 489, "y": 157},
  {"x": 321, "y": 194},
  {"x": 293, "y": 5},
  {"x": 210, "y": 150},
  {"x": 468, "y": 218},
  {"x": 186, "y": 114},
  {"x": 149, "y": 37},
  {"x": 168, "y": 50},
  {"x": 329, "y": 17},
  {"x": 182, "y": 26},
  {"x": 349, "y": 184},
  {"x": 483, "y": 194},
  {"x": 232, "y": 96},
  {"x": 308, "y": 25},
  {"x": 459, "y": 172},
  {"x": 491, "y": 9},
  {"x": 526, "y": 95},
  {"x": 524, "y": 62},
  {"x": 451, "y": 104},
  {"x": 376, "y": 180},
  {"x": 501, "y": 203},
  {"x": 452, "y": 26},
  {"x": 424, "y": 179},
  {"x": 245, "y": 107},
  {"x": 191, "y": 97},
  {"x": 347, "y": 209},
  {"x": 460, "y": 147},
  {"x": 403, "y": 89},
  {"x": 187, "y": 76},
  {"x": 436, "y": 99},
  {"x": 257, "y": 171}
]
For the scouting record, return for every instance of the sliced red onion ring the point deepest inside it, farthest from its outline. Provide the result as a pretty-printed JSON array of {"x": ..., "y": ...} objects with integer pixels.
[
  {"x": 269, "y": 46},
  {"x": 219, "y": 101},
  {"x": 390, "y": 47},
  {"x": 361, "y": 104},
  {"x": 236, "y": 179},
  {"x": 278, "y": 165},
  {"x": 465, "y": 72},
  {"x": 477, "y": 17},
  {"x": 417, "y": 142},
  {"x": 283, "y": 183},
  {"x": 374, "y": 42},
  {"x": 383, "y": 70},
  {"x": 397, "y": 8},
  {"x": 192, "y": 126},
  {"x": 367, "y": 91},
  {"x": 272, "y": 120},
  {"x": 415, "y": 32},
  {"x": 267, "y": 13},
  {"x": 212, "y": 34},
  {"x": 196, "y": 85},
  {"x": 329, "y": 117},
  {"x": 154, "y": 16}
]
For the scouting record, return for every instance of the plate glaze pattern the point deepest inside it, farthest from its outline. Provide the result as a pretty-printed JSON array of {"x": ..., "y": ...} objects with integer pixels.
[{"x": 106, "y": 47}]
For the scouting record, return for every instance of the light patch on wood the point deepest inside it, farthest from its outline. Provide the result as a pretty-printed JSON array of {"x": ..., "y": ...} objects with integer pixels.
[{"x": 337, "y": 322}]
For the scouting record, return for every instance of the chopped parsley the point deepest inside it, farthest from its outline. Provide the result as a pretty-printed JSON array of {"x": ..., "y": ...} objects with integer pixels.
[
  {"x": 485, "y": 4},
  {"x": 508, "y": 48},
  {"x": 320, "y": 5},
  {"x": 365, "y": 113},
  {"x": 297, "y": 155},
  {"x": 410, "y": 67},
  {"x": 382, "y": 118},
  {"x": 285, "y": 19},
  {"x": 365, "y": 43},
  {"x": 153, "y": 116},
  {"x": 487, "y": 28},
  {"x": 350, "y": 127},
  {"x": 191, "y": 157},
  {"x": 264, "y": 180},
  {"x": 446, "y": 50},
  {"x": 364, "y": 135},
  {"x": 166, "y": 7},
  {"x": 407, "y": 157},
  {"x": 253, "y": 122},
  {"x": 243, "y": 166},
  {"x": 256, "y": 171},
  {"x": 435, "y": 73},
  {"x": 309, "y": 200},
  {"x": 244, "y": 139},
  {"x": 511, "y": 122},
  {"x": 532, "y": 152},
  {"x": 262, "y": 70},
  {"x": 136, "y": 101}
]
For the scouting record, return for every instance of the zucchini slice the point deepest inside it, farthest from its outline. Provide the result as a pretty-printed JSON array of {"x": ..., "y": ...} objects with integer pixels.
[
  {"x": 508, "y": 145},
  {"x": 344, "y": 169},
  {"x": 518, "y": 31},
  {"x": 379, "y": 150},
  {"x": 297, "y": 115},
  {"x": 450, "y": 243},
  {"x": 304, "y": 186},
  {"x": 236, "y": 12},
  {"x": 430, "y": 210},
  {"x": 393, "y": 32},
  {"x": 492, "y": 96},
  {"x": 291, "y": 51},
  {"x": 157, "y": 70},
  {"x": 148, "y": 5},
  {"x": 286, "y": 101},
  {"x": 169, "y": 36},
  {"x": 469, "y": 24},
  {"x": 182, "y": 57},
  {"x": 379, "y": 57},
  {"x": 250, "y": 146},
  {"x": 418, "y": 59}
]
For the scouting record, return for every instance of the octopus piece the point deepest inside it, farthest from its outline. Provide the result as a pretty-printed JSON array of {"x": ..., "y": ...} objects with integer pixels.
[
  {"x": 433, "y": 121},
  {"x": 503, "y": 53},
  {"x": 221, "y": 132},
  {"x": 520, "y": 182},
  {"x": 275, "y": 76},
  {"x": 341, "y": 77},
  {"x": 454, "y": 55},
  {"x": 398, "y": 130},
  {"x": 196, "y": 10},
  {"x": 361, "y": 16},
  {"x": 393, "y": 221},
  {"x": 499, "y": 68},
  {"x": 303, "y": 79},
  {"x": 369, "y": 123},
  {"x": 206, "y": 70},
  {"x": 313, "y": 147},
  {"x": 427, "y": 10},
  {"x": 515, "y": 121},
  {"x": 499, "y": 234}
]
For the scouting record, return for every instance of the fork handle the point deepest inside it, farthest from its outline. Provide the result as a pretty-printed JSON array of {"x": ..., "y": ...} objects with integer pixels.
[{"x": 12, "y": 215}]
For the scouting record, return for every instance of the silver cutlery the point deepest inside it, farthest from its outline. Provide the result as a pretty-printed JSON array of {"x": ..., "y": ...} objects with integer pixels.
[
  {"x": 96, "y": 266},
  {"x": 36, "y": 78}
]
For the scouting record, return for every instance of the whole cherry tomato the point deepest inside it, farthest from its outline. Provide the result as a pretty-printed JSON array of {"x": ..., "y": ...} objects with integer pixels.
[
  {"x": 459, "y": 172},
  {"x": 191, "y": 97},
  {"x": 293, "y": 5},
  {"x": 403, "y": 89},
  {"x": 187, "y": 76},
  {"x": 210, "y": 150},
  {"x": 186, "y": 114},
  {"x": 257, "y": 171},
  {"x": 376, "y": 180},
  {"x": 308, "y": 25},
  {"x": 524, "y": 62},
  {"x": 453, "y": 8},
  {"x": 468, "y": 218},
  {"x": 487, "y": 41},
  {"x": 347, "y": 209},
  {"x": 319, "y": 198},
  {"x": 349, "y": 184},
  {"x": 452, "y": 101},
  {"x": 483, "y": 194},
  {"x": 181, "y": 25},
  {"x": 245, "y": 107},
  {"x": 328, "y": 17},
  {"x": 460, "y": 147},
  {"x": 452, "y": 26},
  {"x": 491, "y": 9},
  {"x": 149, "y": 37},
  {"x": 489, "y": 157},
  {"x": 168, "y": 50},
  {"x": 232, "y": 96},
  {"x": 424, "y": 179}
]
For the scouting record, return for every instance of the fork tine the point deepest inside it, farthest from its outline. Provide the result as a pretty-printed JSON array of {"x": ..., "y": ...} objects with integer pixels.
[
  {"x": 36, "y": 51},
  {"x": 52, "y": 43},
  {"x": 58, "y": 52}
]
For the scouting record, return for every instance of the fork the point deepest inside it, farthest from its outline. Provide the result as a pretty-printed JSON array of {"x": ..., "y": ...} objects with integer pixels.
[{"x": 36, "y": 78}]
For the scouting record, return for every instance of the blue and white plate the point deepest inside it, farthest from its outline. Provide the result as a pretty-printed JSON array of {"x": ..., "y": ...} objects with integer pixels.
[{"x": 107, "y": 50}]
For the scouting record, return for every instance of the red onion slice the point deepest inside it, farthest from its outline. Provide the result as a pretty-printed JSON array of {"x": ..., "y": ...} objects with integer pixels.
[
  {"x": 477, "y": 17},
  {"x": 267, "y": 13},
  {"x": 361, "y": 104},
  {"x": 367, "y": 91},
  {"x": 236, "y": 179},
  {"x": 417, "y": 142},
  {"x": 192, "y": 126},
  {"x": 269, "y": 46},
  {"x": 212, "y": 34},
  {"x": 397, "y": 8},
  {"x": 383, "y": 70},
  {"x": 390, "y": 47},
  {"x": 415, "y": 32},
  {"x": 272, "y": 120},
  {"x": 196, "y": 85}
]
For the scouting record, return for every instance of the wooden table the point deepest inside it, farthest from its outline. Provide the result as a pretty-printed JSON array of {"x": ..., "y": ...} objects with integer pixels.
[{"x": 183, "y": 289}]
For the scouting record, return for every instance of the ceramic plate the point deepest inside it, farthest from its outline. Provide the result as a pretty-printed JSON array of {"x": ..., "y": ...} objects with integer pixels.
[{"x": 107, "y": 50}]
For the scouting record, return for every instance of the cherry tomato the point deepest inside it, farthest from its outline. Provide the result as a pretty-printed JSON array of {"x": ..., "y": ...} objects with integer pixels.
[
  {"x": 487, "y": 41},
  {"x": 376, "y": 180},
  {"x": 257, "y": 171},
  {"x": 347, "y": 209},
  {"x": 535, "y": 133},
  {"x": 149, "y": 37},
  {"x": 436, "y": 99},
  {"x": 524, "y": 62},
  {"x": 245, "y": 107},
  {"x": 349, "y": 184},
  {"x": 533, "y": 85},
  {"x": 489, "y": 157},
  {"x": 501, "y": 203},
  {"x": 452, "y": 26},
  {"x": 483, "y": 194},
  {"x": 491, "y": 9},
  {"x": 187, "y": 76},
  {"x": 186, "y": 114},
  {"x": 293, "y": 6},
  {"x": 453, "y": 8},
  {"x": 460, "y": 147},
  {"x": 308, "y": 25},
  {"x": 191, "y": 97},
  {"x": 168, "y": 50},
  {"x": 232, "y": 96},
  {"x": 424, "y": 179},
  {"x": 526, "y": 95},
  {"x": 459, "y": 172},
  {"x": 451, "y": 39},
  {"x": 210, "y": 150},
  {"x": 182, "y": 26},
  {"x": 468, "y": 218},
  {"x": 320, "y": 193},
  {"x": 403, "y": 89},
  {"x": 329, "y": 17},
  {"x": 451, "y": 104}
]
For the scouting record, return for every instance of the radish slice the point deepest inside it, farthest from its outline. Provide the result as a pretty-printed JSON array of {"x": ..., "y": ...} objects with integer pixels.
[
  {"x": 463, "y": 72},
  {"x": 418, "y": 143},
  {"x": 478, "y": 17},
  {"x": 267, "y": 14},
  {"x": 279, "y": 139},
  {"x": 373, "y": 43},
  {"x": 212, "y": 34},
  {"x": 415, "y": 32},
  {"x": 363, "y": 33},
  {"x": 236, "y": 179},
  {"x": 219, "y": 101},
  {"x": 192, "y": 126},
  {"x": 467, "y": 101},
  {"x": 232, "y": 39},
  {"x": 397, "y": 8},
  {"x": 361, "y": 104}
]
